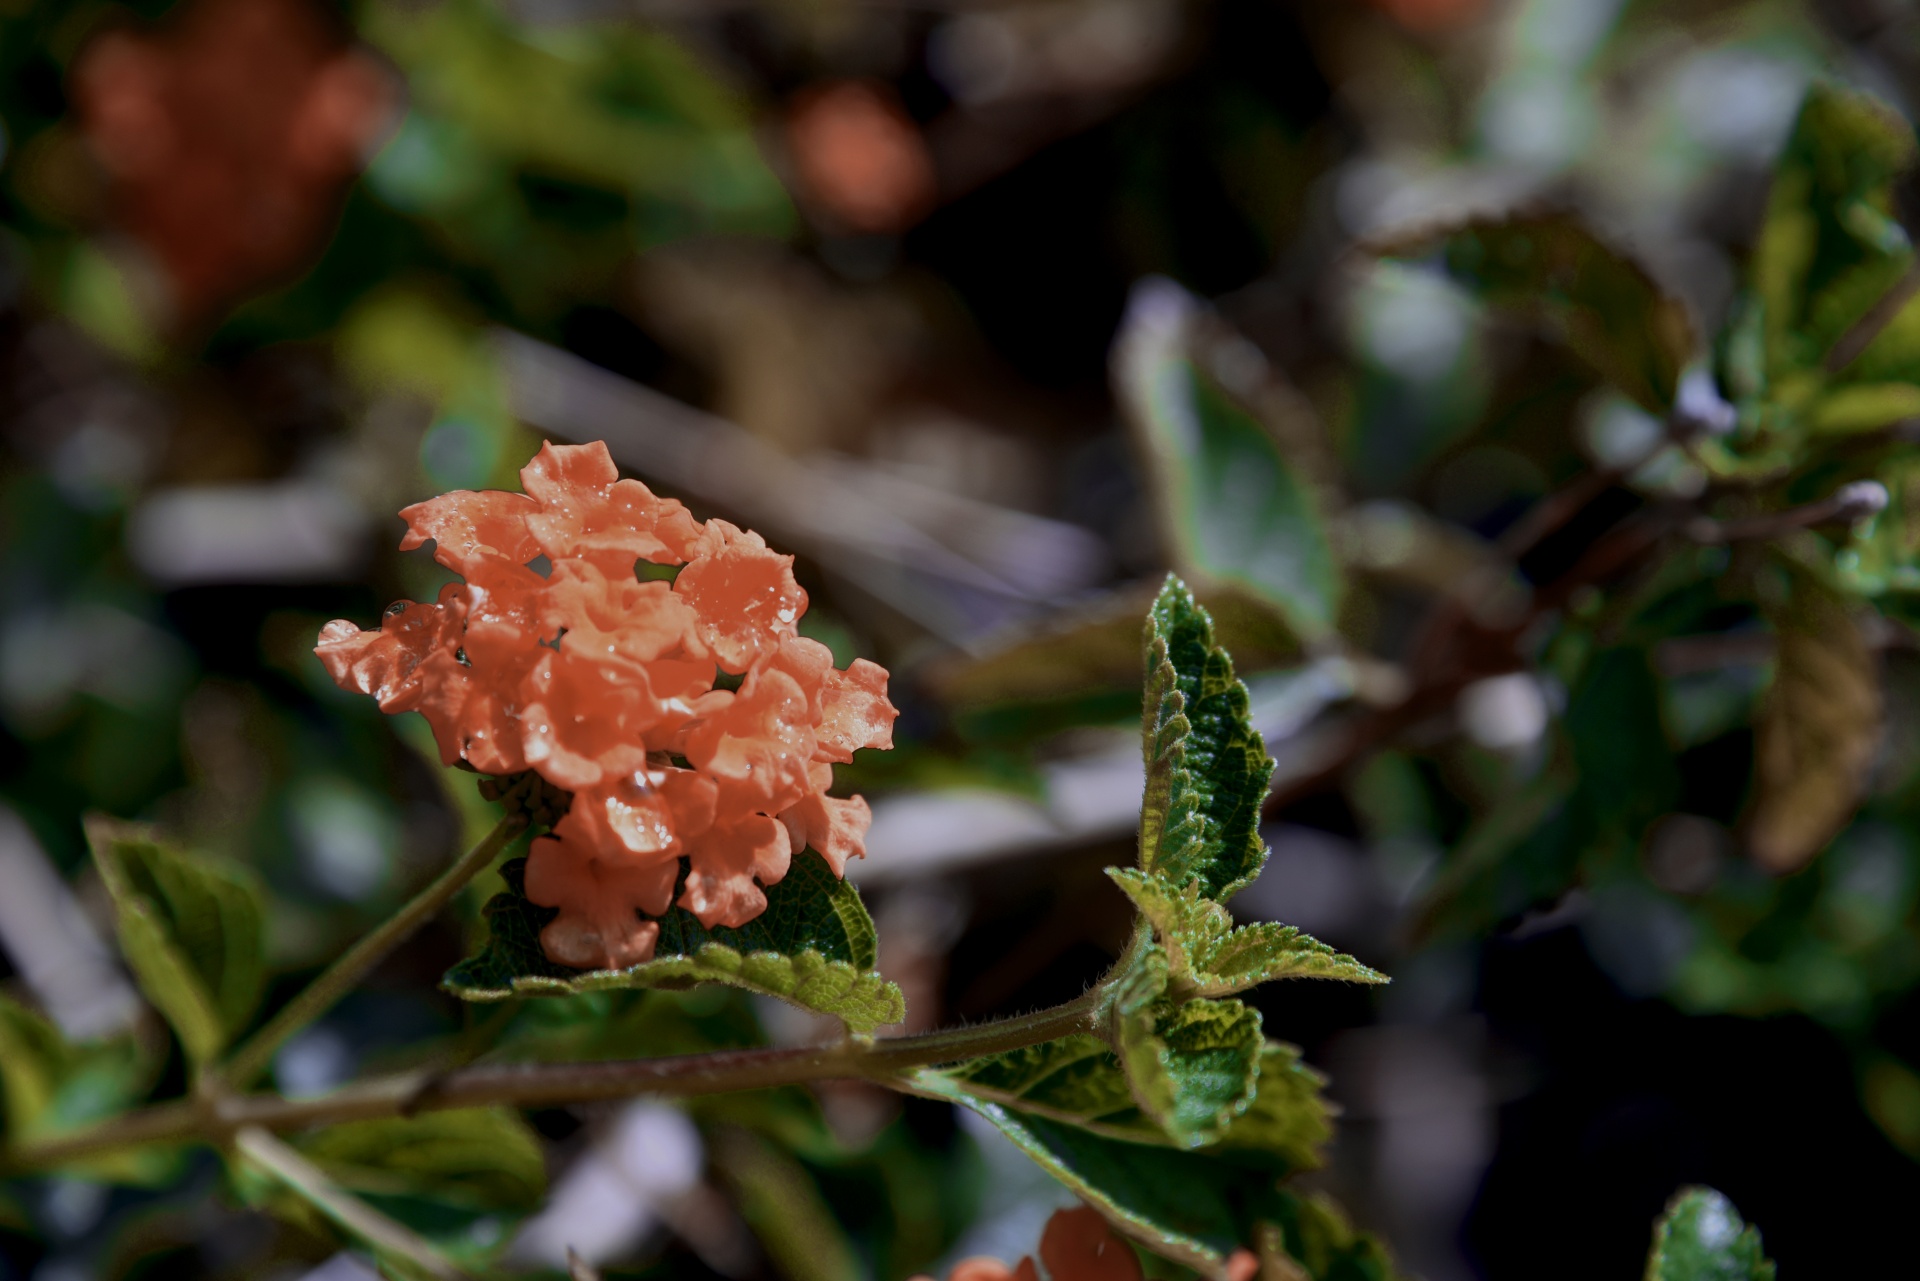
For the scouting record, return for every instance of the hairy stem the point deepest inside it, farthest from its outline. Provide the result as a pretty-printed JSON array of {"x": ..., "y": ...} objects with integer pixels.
[
  {"x": 216, "y": 1119},
  {"x": 345, "y": 974},
  {"x": 347, "y": 1211}
]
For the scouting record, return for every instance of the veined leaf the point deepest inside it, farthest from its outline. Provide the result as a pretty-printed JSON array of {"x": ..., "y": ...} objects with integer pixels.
[
  {"x": 478, "y": 1160},
  {"x": 1603, "y": 307},
  {"x": 1207, "y": 769},
  {"x": 1208, "y": 956},
  {"x": 1702, "y": 1238},
  {"x": 432, "y": 1198},
  {"x": 1234, "y": 509},
  {"x": 1286, "y": 1122},
  {"x": 1818, "y": 729},
  {"x": 1194, "y": 1207},
  {"x": 191, "y": 930},
  {"x": 1192, "y": 1066},
  {"x": 813, "y": 947},
  {"x": 1078, "y": 1080},
  {"x": 455, "y": 1180},
  {"x": 1074, "y": 1079}
]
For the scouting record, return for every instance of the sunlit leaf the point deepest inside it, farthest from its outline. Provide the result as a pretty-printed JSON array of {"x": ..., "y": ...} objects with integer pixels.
[
  {"x": 1232, "y": 505},
  {"x": 1819, "y": 726},
  {"x": 1602, "y": 306},
  {"x": 1191, "y": 1067},
  {"x": 1702, "y": 1238},
  {"x": 813, "y": 947},
  {"x": 192, "y": 932}
]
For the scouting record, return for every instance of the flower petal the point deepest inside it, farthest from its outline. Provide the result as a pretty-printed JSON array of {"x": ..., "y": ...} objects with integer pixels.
[
  {"x": 474, "y": 532},
  {"x": 744, "y": 595},
  {"x": 1078, "y": 1245},
  {"x": 834, "y": 829},
  {"x": 855, "y": 712},
  {"x": 558, "y": 472},
  {"x": 600, "y": 900},
  {"x": 720, "y": 888},
  {"x": 757, "y": 745},
  {"x": 384, "y": 663}
]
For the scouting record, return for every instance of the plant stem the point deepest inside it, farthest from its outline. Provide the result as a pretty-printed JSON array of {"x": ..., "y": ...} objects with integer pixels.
[
  {"x": 213, "y": 1119},
  {"x": 346, "y": 1210},
  {"x": 252, "y": 1058}
]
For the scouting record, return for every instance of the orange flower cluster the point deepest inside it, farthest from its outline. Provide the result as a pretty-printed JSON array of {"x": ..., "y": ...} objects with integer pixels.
[
  {"x": 603, "y": 681},
  {"x": 230, "y": 133}
]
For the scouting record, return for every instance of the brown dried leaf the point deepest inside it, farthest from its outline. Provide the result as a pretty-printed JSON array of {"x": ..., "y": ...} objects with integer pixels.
[{"x": 1818, "y": 730}]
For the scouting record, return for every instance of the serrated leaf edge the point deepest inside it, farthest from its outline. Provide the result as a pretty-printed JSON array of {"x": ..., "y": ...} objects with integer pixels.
[
  {"x": 860, "y": 998},
  {"x": 1195, "y": 932}
]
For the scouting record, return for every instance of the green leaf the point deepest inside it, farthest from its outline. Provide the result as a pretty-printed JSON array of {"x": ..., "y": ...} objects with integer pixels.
[
  {"x": 1075, "y": 1079},
  {"x": 1603, "y": 307},
  {"x": 1863, "y": 407},
  {"x": 1830, "y": 247},
  {"x": 1883, "y": 554},
  {"x": 482, "y": 1160},
  {"x": 431, "y": 1197},
  {"x": 53, "y": 1086},
  {"x": 1287, "y": 1121},
  {"x": 1194, "y": 1207},
  {"x": 1207, "y": 770},
  {"x": 813, "y": 947},
  {"x": 1078, "y": 1080},
  {"x": 1313, "y": 1233},
  {"x": 1192, "y": 1066},
  {"x": 783, "y": 1206},
  {"x": 1235, "y": 511},
  {"x": 191, "y": 930},
  {"x": 1818, "y": 730},
  {"x": 1702, "y": 1238},
  {"x": 1208, "y": 956}
]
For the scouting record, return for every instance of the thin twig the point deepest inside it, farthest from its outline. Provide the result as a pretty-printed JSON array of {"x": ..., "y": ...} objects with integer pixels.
[
  {"x": 214, "y": 1119},
  {"x": 1845, "y": 506},
  {"x": 346, "y": 1211},
  {"x": 345, "y": 974}
]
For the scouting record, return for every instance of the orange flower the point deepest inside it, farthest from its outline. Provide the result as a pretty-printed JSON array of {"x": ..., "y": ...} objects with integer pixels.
[
  {"x": 604, "y": 684},
  {"x": 1076, "y": 1246},
  {"x": 1079, "y": 1245}
]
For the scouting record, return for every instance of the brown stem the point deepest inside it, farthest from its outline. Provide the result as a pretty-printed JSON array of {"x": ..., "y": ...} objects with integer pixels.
[{"x": 217, "y": 1119}]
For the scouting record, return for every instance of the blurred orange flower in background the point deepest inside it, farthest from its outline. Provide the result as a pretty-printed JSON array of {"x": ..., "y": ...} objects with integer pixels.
[
  {"x": 229, "y": 135},
  {"x": 604, "y": 684},
  {"x": 859, "y": 158}
]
